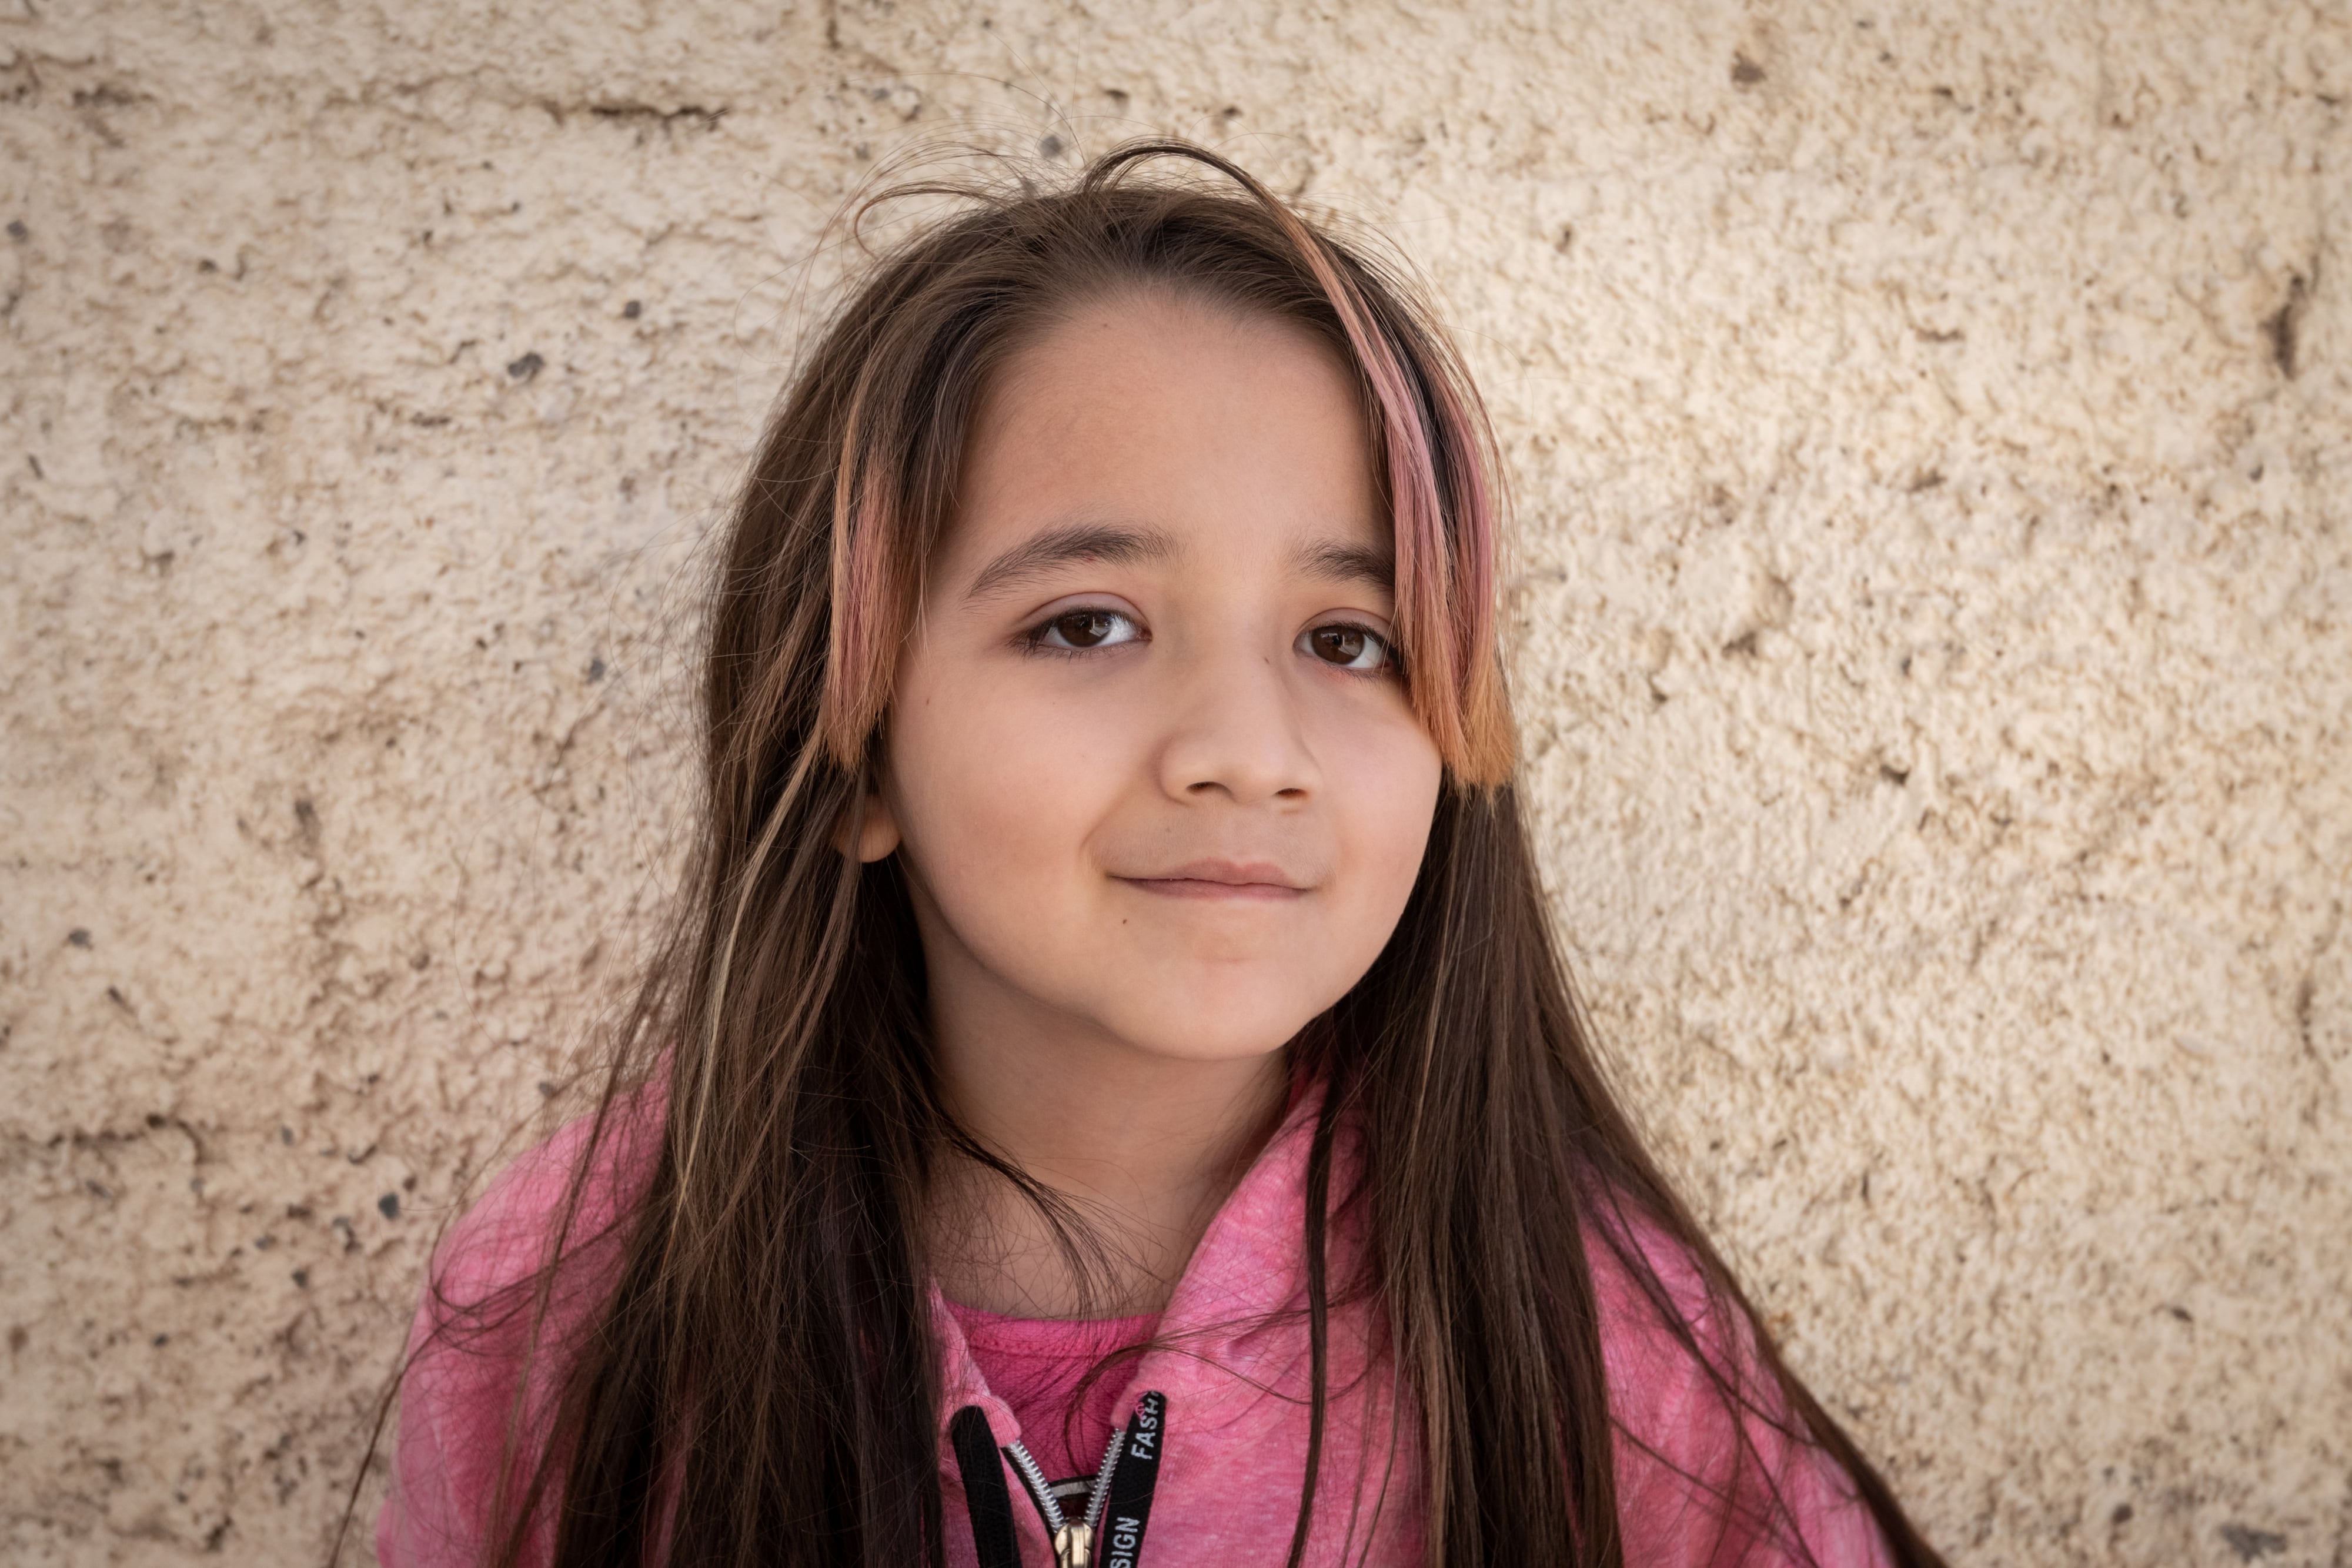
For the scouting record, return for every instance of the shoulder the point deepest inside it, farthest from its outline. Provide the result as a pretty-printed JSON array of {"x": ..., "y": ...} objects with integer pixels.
[
  {"x": 1663, "y": 1326},
  {"x": 477, "y": 1366},
  {"x": 563, "y": 1194},
  {"x": 1714, "y": 1466}
]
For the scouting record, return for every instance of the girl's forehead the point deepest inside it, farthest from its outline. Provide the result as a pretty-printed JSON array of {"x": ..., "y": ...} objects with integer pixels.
[{"x": 1145, "y": 434}]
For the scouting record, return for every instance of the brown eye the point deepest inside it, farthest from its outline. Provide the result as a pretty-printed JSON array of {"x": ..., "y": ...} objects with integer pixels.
[
  {"x": 1340, "y": 645},
  {"x": 1087, "y": 629},
  {"x": 1348, "y": 647},
  {"x": 1084, "y": 628}
]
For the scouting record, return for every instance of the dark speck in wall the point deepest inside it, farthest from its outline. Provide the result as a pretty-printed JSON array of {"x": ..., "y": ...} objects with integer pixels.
[
  {"x": 2122, "y": 1515},
  {"x": 285, "y": 1134},
  {"x": 1050, "y": 147},
  {"x": 633, "y": 310},
  {"x": 530, "y": 365},
  {"x": 17, "y": 231},
  {"x": 79, "y": 937},
  {"x": 389, "y": 1205},
  {"x": 2283, "y": 327},
  {"x": 595, "y": 670},
  {"x": 163, "y": 1338},
  {"x": 1745, "y": 71},
  {"x": 2249, "y": 1544},
  {"x": 302, "y": 1279}
]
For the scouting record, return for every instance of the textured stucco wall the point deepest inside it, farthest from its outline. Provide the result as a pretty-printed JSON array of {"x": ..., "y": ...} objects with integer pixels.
[{"x": 1931, "y": 427}]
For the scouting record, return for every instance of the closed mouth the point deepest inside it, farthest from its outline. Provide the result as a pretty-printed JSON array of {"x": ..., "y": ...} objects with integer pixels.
[{"x": 1219, "y": 879}]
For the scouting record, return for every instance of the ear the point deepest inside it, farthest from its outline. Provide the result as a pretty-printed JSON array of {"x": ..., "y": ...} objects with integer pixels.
[{"x": 877, "y": 825}]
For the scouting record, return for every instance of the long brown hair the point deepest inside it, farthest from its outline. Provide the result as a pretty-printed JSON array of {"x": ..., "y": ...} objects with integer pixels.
[{"x": 757, "y": 1381}]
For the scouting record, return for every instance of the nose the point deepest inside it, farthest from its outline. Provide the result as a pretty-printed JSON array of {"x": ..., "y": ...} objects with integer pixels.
[{"x": 1236, "y": 732}]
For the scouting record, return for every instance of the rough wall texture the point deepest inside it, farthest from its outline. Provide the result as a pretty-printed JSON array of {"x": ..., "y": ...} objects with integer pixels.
[{"x": 1931, "y": 429}]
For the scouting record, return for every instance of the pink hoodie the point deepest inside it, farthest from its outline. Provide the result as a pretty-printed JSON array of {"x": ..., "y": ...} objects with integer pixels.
[{"x": 1231, "y": 1457}]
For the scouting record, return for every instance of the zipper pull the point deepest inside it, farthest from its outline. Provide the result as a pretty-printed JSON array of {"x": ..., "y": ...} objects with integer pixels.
[{"x": 1074, "y": 1546}]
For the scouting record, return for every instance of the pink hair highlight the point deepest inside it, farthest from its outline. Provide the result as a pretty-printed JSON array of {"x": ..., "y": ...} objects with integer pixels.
[
  {"x": 868, "y": 586},
  {"x": 1445, "y": 588}
]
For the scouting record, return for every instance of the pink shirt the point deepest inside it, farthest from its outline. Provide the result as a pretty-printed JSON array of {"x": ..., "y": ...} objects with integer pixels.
[
  {"x": 1231, "y": 1356},
  {"x": 1036, "y": 1366}
]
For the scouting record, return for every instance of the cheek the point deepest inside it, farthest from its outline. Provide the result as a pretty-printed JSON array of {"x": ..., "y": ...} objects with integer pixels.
[
  {"x": 1384, "y": 802},
  {"x": 991, "y": 797}
]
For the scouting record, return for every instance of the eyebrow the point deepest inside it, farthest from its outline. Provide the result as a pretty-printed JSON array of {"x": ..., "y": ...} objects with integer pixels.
[
  {"x": 1336, "y": 562},
  {"x": 1032, "y": 559}
]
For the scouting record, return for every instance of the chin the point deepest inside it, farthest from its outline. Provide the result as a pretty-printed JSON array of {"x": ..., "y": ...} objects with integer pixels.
[
  {"x": 1208, "y": 1049},
  {"x": 1180, "y": 1026}
]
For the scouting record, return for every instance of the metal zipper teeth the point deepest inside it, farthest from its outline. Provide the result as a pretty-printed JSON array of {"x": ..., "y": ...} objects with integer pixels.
[
  {"x": 1099, "y": 1498},
  {"x": 1035, "y": 1478},
  {"x": 1032, "y": 1476}
]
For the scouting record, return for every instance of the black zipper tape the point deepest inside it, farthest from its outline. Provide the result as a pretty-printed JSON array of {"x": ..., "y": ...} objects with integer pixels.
[
  {"x": 1118, "y": 1542},
  {"x": 985, "y": 1495}
]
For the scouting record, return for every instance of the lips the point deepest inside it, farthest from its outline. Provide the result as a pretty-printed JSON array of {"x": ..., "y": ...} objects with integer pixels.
[{"x": 1221, "y": 878}]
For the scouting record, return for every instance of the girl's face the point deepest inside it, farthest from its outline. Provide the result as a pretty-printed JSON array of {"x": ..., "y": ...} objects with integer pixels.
[{"x": 1150, "y": 760}]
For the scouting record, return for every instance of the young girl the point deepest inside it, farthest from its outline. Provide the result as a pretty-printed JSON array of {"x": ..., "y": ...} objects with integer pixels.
[{"x": 1114, "y": 1098}]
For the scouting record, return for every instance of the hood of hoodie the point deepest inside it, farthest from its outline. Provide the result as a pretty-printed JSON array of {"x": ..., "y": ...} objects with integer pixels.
[{"x": 1232, "y": 1358}]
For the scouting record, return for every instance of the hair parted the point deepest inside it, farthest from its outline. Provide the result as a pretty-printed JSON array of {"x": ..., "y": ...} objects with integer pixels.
[{"x": 757, "y": 1381}]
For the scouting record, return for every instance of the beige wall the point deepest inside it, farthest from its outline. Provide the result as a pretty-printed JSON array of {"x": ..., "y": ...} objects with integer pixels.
[{"x": 1930, "y": 423}]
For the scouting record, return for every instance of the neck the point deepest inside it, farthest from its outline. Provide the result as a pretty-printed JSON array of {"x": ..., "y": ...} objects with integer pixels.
[{"x": 1142, "y": 1147}]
